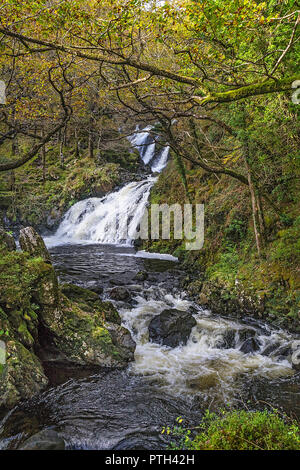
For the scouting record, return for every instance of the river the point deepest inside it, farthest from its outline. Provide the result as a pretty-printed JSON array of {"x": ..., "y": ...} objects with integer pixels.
[{"x": 127, "y": 409}]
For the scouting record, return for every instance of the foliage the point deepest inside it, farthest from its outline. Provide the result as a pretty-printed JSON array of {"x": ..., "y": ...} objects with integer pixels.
[{"x": 240, "y": 430}]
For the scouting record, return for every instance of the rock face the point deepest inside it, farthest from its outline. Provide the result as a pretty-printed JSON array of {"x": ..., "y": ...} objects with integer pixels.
[
  {"x": 171, "y": 328},
  {"x": 228, "y": 340},
  {"x": 32, "y": 243},
  {"x": 22, "y": 377},
  {"x": 7, "y": 240},
  {"x": 47, "y": 439}
]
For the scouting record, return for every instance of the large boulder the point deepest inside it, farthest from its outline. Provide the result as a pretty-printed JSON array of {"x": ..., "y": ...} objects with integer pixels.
[
  {"x": 7, "y": 240},
  {"x": 40, "y": 323},
  {"x": 79, "y": 334},
  {"x": 48, "y": 439},
  {"x": 90, "y": 300},
  {"x": 119, "y": 293},
  {"x": 171, "y": 328},
  {"x": 22, "y": 375},
  {"x": 31, "y": 242}
]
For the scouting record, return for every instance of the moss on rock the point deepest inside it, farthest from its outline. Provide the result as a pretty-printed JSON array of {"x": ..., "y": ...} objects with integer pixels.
[
  {"x": 35, "y": 315},
  {"x": 87, "y": 299},
  {"x": 22, "y": 375},
  {"x": 7, "y": 240},
  {"x": 32, "y": 243},
  {"x": 84, "y": 337}
]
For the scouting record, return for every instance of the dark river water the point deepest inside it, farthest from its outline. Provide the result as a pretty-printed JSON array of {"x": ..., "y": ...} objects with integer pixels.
[{"x": 127, "y": 409}]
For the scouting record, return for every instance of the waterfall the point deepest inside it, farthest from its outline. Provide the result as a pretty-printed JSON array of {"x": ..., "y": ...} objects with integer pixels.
[
  {"x": 111, "y": 219},
  {"x": 114, "y": 218},
  {"x": 152, "y": 153}
]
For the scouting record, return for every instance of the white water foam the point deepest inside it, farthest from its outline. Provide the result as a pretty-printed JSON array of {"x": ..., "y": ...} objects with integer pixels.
[
  {"x": 112, "y": 219},
  {"x": 150, "y": 151},
  {"x": 201, "y": 366}
]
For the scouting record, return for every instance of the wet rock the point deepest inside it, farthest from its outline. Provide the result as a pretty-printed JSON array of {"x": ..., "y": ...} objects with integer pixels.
[
  {"x": 250, "y": 345},
  {"x": 89, "y": 300},
  {"x": 22, "y": 376},
  {"x": 270, "y": 349},
  {"x": 284, "y": 353},
  {"x": 119, "y": 293},
  {"x": 47, "y": 439},
  {"x": 7, "y": 240},
  {"x": 193, "y": 310},
  {"x": 171, "y": 328},
  {"x": 97, "y": 289},
  {"x": 121, "y": 338},
  {"x": 32, "y": 243},
  {"x": 246, "y": 333},
  {"x": 76, "y": 333},
  {"x": 141, "y": 276},
  {"x": 228, "y": 340}
]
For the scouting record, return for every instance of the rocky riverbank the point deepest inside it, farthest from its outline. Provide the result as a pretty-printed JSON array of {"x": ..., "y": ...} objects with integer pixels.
[
  {"x": 42, "y": 321},
  {"x": 227, "y": 275}
]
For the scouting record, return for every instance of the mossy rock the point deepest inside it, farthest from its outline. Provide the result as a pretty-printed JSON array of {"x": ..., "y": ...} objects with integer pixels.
[
  {"x": 79, "y": 294},
  {"x": 87, "y": 300},
  {"x": 7, "y": 240},
  {"x": 22, "y": 375},
  {"x": 84, "y": 337},
  {"x": 46, "y": 292},
  {"x": 32, "y": 243}
]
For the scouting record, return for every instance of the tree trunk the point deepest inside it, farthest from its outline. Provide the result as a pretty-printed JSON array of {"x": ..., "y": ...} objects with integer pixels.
[
  {"x": 43, "y": 157},
  {"x": 15, "y": 143},
  {"x": 12, "y": 180},
  {"x": 255, "y": 210},
  {"x": 91, "y": 140},
  {"x": 77, "y": 149},
  {"x": 61, "y": 150}
]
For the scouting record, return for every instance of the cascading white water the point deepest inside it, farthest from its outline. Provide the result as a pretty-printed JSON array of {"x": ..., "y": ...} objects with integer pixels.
[
  {"x": 111, "y": 219},
  {"x": 202, "y": 366},
  {"x": 160, "y": 162},
  {"x": 152, "y": 153},
  {"x": 114, "y": 218}
]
